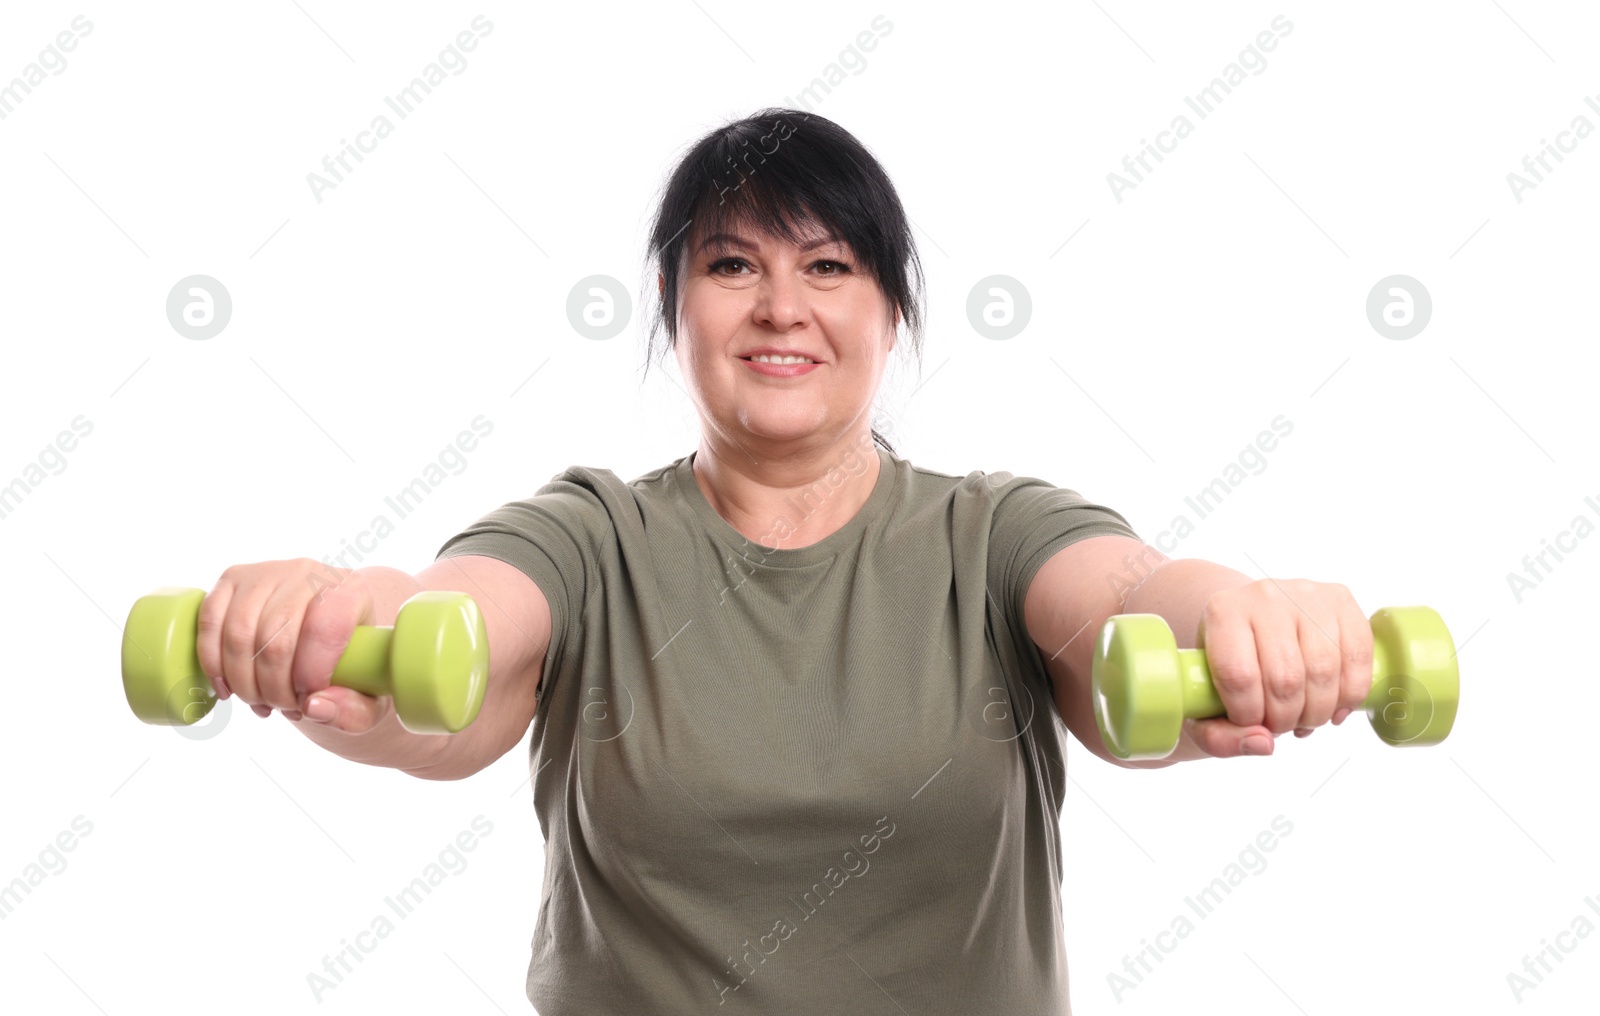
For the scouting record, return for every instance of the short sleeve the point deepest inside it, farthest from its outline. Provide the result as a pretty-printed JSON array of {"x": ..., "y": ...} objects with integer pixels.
[
  {"x": 1032, "y": 521},
  {"x": 553, "y": 537}
]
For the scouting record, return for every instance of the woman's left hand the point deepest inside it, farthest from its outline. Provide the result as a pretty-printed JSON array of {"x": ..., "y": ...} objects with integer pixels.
[{"x": 1284, "y": 654}]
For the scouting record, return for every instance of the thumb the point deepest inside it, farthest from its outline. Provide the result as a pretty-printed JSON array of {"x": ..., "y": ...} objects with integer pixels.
[
  {"x": 1221, "y": 738},
  {"x": 344, "y": 709}
]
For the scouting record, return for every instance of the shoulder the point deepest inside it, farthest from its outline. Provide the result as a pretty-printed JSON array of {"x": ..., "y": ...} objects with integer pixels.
[
  {"x": 604, "y": 489},
  {"x": 985, "y": 489},
  {"x": 927, "y": 481}
]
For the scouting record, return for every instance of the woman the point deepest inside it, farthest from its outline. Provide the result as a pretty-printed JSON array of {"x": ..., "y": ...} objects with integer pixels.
[{"x": 789, "y": 693}]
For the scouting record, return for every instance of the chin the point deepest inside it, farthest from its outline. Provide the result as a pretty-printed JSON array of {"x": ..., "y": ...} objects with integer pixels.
[{"x": 781, "y": 429}]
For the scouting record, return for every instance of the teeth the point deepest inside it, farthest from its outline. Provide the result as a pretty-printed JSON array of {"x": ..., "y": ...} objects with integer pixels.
[{"x": 764, "y": 358}]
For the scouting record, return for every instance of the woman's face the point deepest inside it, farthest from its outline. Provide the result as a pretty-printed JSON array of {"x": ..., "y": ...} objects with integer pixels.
[{"x": 745, "y": 291}]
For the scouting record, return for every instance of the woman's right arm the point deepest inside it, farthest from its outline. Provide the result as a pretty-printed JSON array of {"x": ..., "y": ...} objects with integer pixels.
[{"x": 273, "y": 633}]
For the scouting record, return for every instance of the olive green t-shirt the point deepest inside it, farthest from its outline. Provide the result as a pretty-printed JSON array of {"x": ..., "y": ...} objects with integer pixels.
[{"x": 825, "y": 779}]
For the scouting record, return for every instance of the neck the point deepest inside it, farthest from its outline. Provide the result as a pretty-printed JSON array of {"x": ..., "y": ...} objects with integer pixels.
[{"x": 789, "y": 500}]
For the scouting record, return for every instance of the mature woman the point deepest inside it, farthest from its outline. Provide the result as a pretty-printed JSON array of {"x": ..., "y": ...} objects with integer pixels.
[{"x": 789, "y": 693}]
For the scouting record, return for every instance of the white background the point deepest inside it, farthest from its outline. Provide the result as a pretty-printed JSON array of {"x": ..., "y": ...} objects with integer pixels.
[{"x": 368, "y": 329}]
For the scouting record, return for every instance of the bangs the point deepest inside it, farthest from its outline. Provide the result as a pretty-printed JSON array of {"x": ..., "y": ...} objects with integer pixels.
[
  {"x": 775, "y": 200},
  {"x": 789, "y": 175}
]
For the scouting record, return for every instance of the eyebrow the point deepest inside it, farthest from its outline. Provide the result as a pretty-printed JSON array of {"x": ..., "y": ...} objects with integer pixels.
[{"x": 731, "y": 240}]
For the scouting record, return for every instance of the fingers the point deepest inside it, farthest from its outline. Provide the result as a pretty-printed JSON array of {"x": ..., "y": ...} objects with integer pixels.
[
  {"x": 239, "y": 640},
  {"x": 273, "y": 632},
  {"x": 1222, "y": 738},
  {"x": 1283, "y": 655},
  {"x": 208, "y": 633},
  {"x": 1322, "y": 659},
  {"x": 346, "y": 710},
  {"x": 1230, "y": 647},
  {"x": 1283, "y": 674},
  {"x": 329, "y": 621},
  {"x": 277, "y": 641},
  {"x": 1355, "y": 675}
]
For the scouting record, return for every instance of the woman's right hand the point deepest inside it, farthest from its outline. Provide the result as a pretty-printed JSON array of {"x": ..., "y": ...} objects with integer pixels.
[{"x": 272, "y": 633}]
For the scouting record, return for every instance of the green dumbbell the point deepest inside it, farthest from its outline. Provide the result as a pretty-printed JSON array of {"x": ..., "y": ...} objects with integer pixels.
[
  {"x": 1144, "y": 686},
  {"x": 434, "y": 662}
]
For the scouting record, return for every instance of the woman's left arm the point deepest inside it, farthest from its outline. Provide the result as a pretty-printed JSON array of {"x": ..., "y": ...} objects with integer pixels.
[{"x": 1284, "y": 654}]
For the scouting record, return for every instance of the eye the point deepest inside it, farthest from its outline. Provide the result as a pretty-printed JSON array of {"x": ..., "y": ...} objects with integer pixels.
[
  {"x": 717, "y": 265},
  {"x": 840, "y": 265}
]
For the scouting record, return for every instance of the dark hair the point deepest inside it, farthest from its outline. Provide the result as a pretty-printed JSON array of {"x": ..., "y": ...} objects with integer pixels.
[{"x": 776, "y": 170}]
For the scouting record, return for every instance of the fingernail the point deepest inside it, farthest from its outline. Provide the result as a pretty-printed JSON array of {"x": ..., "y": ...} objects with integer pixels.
[
  {"x": 1339, "y": 716},
  {"x": 1256, "y": 744},
  {"x": 1302, "y": 732},
  {"x": 321, "y": 709},
  {"x": 221, "y": 684}
]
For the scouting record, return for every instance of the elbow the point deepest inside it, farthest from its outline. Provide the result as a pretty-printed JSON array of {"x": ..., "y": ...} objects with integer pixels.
[
  {"x": 461, "y": 757},
  {"x": 436, "y": 774},
  {"x": 446, "y": 765},
  {"x": 446, "y": 772}
]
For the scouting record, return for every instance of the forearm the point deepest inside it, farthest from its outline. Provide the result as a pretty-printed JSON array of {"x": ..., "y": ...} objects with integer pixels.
[
  {"x": 1177, "y": 590},
  {"x": 388, "y": 744}
]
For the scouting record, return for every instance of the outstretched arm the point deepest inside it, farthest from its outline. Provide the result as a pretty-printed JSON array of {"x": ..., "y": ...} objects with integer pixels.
[{"x": 1285, "y": 654}]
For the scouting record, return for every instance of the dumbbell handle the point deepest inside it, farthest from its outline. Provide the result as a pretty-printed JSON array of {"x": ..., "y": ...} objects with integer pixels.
[
  {"x": 364, "y": 665},
  {"x": 1201, "y": 701}
]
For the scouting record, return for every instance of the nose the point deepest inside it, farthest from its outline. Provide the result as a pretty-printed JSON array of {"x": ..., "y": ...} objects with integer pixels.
[{"x": 781, "y": 300}]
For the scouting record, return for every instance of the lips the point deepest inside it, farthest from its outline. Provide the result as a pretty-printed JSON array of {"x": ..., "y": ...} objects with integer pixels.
[
  {"x": 774, "y": 351},
  {"x": 771, "y": 369}
]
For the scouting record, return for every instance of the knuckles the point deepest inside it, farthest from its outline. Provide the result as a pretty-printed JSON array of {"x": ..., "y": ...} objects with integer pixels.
[
  {"x": 278, "y": 649},
  {"x": 1322, "y": 661},
  {"x": 1284, "y": 674},
  {"x": 238, "y": 640}
]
